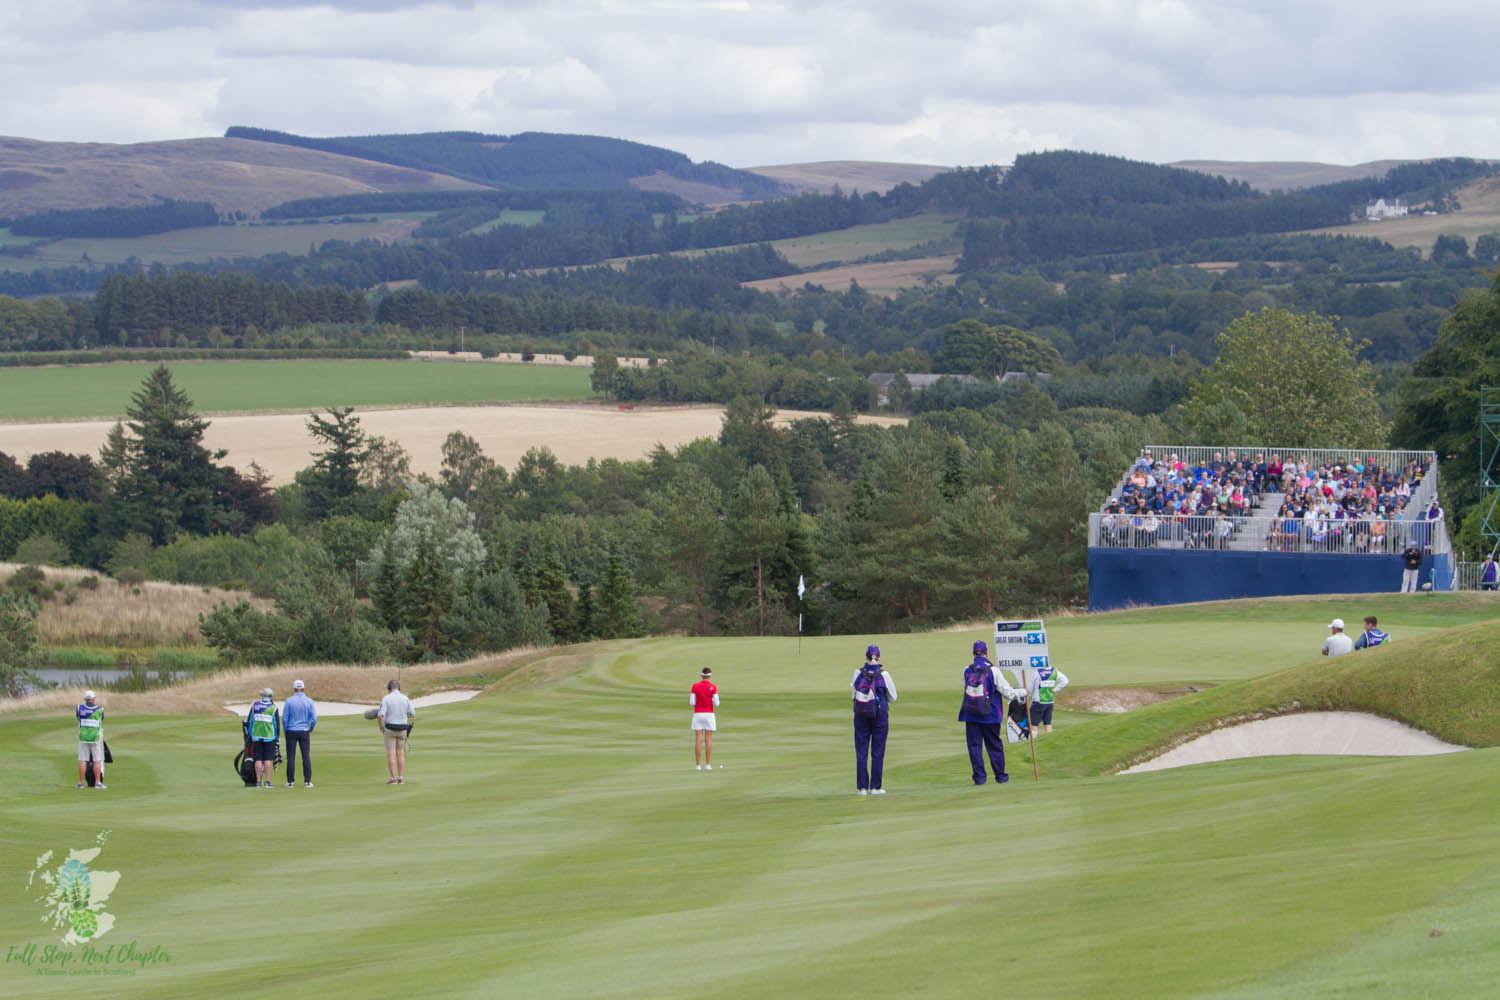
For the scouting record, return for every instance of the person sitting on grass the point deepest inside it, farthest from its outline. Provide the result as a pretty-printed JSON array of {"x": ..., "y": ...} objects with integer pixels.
[
  {"x": 1337, "y": 643},
  {"x": 1371, "y": 636}
]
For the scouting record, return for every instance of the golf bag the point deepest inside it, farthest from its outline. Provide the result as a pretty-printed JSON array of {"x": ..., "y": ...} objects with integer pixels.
[
  {"x": 1017, "y": 722},
  {"x": 244, "y": 761},
  {"x": 88, "y": 772}
]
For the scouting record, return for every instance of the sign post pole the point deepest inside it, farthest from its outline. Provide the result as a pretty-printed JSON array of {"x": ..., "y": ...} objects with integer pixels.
[{"x": 1021, "y": 646}]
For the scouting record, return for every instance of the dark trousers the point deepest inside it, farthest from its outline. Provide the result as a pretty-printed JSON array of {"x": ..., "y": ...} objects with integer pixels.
[
  {"x": 985, "y": 736},
  {"x": 293, "y": 741},
  {"x": 869, "y": 742}
]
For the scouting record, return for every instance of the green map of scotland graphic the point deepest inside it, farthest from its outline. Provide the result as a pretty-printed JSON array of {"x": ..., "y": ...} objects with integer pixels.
[{"x": 73, "y": 895}]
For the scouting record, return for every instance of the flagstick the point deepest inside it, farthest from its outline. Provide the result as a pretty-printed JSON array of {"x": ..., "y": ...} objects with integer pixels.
[{"x": 1031, "y": 732}]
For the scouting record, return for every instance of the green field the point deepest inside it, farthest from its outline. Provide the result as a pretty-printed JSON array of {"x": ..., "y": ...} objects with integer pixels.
[
  {"x": 84, "y": 391},
  {"x": 856, "y": 242},
  {"x": 555, "y": 840},
  {"x": 512, "y": 217},
  {"x": 183, "y": 246},
  {"x": 6, "y": 238},
  {"x": 859, "y": 242}
]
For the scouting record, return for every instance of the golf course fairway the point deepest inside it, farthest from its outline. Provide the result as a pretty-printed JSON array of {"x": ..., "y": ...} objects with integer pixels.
[{"x": 554, "y": 839}]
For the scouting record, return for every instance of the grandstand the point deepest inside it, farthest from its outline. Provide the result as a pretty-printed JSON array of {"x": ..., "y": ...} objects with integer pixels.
[{"x": 1198, "y": 523}]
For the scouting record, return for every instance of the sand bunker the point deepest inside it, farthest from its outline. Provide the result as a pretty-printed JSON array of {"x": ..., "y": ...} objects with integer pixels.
[
  {"x": 328, "y": 708},
  {"x": 1333, "y": 733}
]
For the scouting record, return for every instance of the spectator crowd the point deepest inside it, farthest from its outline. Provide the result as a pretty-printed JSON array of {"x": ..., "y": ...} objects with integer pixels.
[{"x": 1341, "y": 505}]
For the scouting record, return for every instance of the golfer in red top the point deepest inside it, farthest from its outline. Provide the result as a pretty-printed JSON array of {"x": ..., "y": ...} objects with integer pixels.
[{"x": 704, "y": 699}]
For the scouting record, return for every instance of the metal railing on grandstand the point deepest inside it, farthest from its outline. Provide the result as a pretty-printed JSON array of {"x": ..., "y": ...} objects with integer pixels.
[
  {"x": 1466, "y": 575},
  {"x": 1191, "y": 455},
  {"x": 1266, "y": 534}
]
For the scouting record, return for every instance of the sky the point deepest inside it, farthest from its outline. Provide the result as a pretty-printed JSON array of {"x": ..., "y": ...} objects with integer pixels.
[{"x": 946, "y": 82}]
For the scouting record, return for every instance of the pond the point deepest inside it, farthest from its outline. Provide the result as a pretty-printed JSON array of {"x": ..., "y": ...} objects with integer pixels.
[{"x": 107, "y": 678}]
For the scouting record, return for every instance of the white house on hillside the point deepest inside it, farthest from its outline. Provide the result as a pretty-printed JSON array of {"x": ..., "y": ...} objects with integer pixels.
[{"x": 1382, "y": 209}]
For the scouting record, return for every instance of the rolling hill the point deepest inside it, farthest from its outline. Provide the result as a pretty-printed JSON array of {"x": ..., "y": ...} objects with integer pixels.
[
  {"x": 540, "y": 160},
  {"x": 234, "y": 174},
  {"x": 848, "y": 175},
  {"x": 1288, "y": 176}
]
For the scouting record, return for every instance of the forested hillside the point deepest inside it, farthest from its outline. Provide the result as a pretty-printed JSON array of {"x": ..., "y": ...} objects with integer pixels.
[
  {"x": 527, "y": 159},
  {"x": 1106, "y": 285}
]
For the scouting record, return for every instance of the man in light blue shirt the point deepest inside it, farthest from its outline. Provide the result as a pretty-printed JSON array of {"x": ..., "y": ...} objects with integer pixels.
[{"x": 299, "y": 716}]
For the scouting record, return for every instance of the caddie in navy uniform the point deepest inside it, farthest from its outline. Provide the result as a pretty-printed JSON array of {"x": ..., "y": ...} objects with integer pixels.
[
  {"x": 874, "y": 690},
  {"x": 1042, "y": 685},
  {"x": 985, "y": 689}
]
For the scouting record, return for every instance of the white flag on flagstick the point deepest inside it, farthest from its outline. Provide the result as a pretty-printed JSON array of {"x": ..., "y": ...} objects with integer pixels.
[{"x": 801, "y": 587}]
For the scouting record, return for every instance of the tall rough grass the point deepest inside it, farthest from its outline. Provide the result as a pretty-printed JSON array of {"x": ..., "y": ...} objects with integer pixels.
[{"x": 111, "y": 613}]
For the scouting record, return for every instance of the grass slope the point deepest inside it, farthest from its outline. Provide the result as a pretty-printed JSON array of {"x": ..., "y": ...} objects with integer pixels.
[
  {"x": 234, "y": 174},
  {"x": 79, "y": 392},
  {"x": 185, "y": 246},
  {"x": 553, "y": 841}
]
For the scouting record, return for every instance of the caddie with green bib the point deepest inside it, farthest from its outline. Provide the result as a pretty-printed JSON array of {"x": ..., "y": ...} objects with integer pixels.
[
  {"x": 263, "y": 723},
  {"x": 1042, "y": 685},
  {"x": 90, "y": 740}
]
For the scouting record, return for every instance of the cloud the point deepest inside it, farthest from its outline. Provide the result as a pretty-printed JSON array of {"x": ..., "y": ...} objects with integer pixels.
[{"x": 752, "y": 82}]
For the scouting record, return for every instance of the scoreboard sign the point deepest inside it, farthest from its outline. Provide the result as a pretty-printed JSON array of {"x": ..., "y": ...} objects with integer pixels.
[{"x": 1020, "y": 646}]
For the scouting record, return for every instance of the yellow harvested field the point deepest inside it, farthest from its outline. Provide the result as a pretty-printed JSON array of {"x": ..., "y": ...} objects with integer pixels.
[
  {"x": 279, "y": 442},
  {"x": 1479, "y": 214},
  {"x": 883, "y": 278}
]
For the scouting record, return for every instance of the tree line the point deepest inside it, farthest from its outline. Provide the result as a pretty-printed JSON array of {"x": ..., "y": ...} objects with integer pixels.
[
  {"x": 365, "y": 560},
  {"x": 117, "y": 221}
]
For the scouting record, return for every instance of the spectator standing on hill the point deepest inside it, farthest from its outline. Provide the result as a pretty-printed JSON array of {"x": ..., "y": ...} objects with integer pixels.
[
  {"x": 264, "y": 722},
  {"x": 985, "y": 687},
  {"x": 873, "y": 692},
  {"x": 299, "y": 717},
  {"x": 704, "y": 697},
  {"x": 1489, "y": 574},
  {"x": 1371, "y": 636},
  {"x": 395, "y": 717},
  {"x": 1338, "y": 643},
  {"x": 1411, "y": 557},
  {"x": 90, "y": 741}
]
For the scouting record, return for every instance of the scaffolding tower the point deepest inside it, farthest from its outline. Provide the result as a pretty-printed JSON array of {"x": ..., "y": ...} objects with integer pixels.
[{"x": 1489, "y": 467}]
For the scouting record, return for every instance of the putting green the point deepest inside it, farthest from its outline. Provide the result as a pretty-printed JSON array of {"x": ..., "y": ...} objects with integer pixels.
[{"x": 556, "y": 841}]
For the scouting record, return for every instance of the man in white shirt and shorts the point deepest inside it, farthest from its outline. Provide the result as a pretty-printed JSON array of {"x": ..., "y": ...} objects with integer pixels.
[{"x": 395, "y": 714}]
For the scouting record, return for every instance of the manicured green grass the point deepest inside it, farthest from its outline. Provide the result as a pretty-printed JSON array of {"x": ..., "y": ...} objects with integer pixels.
[
  {"x": 207, "y": 242},
  {"x": 77, "y": 392},
  {"x": 554, "y": 840}
]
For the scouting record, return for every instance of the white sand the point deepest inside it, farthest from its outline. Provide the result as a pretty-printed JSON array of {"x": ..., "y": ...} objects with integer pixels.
[
  {"x": 1312, "y": 733},
  {"x": 329, "y": 708}
]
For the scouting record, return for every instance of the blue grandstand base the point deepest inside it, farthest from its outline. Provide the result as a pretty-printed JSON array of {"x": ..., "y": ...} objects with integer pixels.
[{"x": 1120, "y": 578}]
